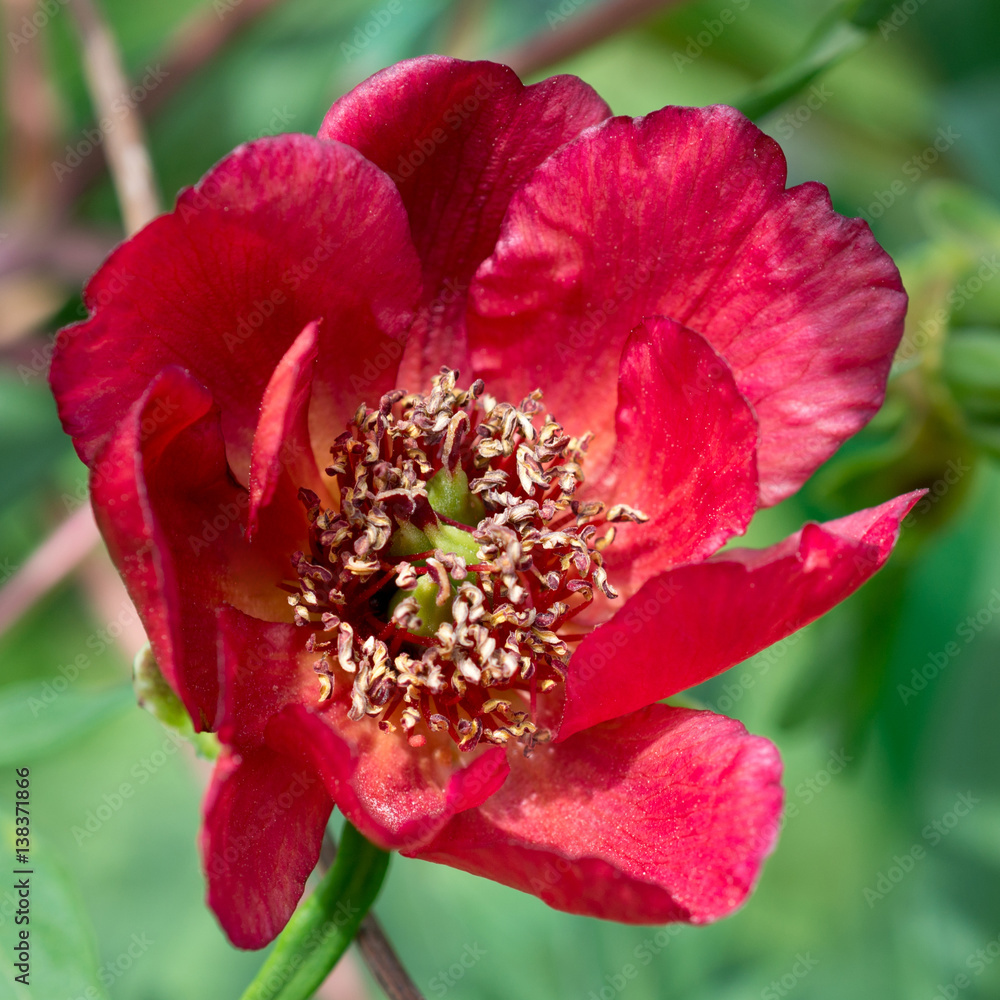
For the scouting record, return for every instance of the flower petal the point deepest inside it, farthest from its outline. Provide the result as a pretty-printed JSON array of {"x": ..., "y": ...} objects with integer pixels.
[
  {"x": 264, "y": 823},
  {"x": 151, "y": 489},
  {"x": 263, "y": 666},
  {"x": 695, "y": 621},
  {"x": 457, "y": 138},
  {"x": 172, "y": 516},
  {"x": 803, "y": 304},
  {"x": 395, "y": 795},
  {"x": 685, "y": 455},
  {"x": 281, "y": 232},
  {"x": 282, "y": 454},
  {"x": 666, "y": 814}
]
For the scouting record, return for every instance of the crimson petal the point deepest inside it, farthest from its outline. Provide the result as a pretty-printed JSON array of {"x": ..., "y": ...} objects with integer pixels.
[
  {"x": 264, "y": 824},
  {"x": 282, "y": 459},
  {"x": 397, "y": 796},
  {"x": 803, "y": 304},
  {"x": 666, "y": 814},
  {"x": 693, "y": 622},
  {"x": 457, "y": 138},
  {"x": 281, "y": 232},
  {"x": 263, "y": 666},
  {"x": 685, "y": 454},
  {"x": 170, "y": 513}
]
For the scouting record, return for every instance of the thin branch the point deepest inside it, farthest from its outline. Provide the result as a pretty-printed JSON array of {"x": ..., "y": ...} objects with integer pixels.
[
  {"x": 33, "y": 117},
  {"x": 378, "y": 953},
  {"x": 384, "y": 963},
  {"x": 200, "y": 37},
  {"x": 191, "y": 47},
  {"x": 70, "y": 254},
  {"x": 125, "y": 144},
  {"x": 49, "y": 564},
  {"x": 579, "y": 31}
]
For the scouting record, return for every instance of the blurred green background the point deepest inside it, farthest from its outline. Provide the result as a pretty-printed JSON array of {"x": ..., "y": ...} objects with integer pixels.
[{"x": 886, "y": 879}]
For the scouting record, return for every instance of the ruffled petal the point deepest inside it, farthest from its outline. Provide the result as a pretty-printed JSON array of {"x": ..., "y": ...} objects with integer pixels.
[
  {"x": 264, "y": 822},
  {"x": 263, "y": 666},
  {"x": 666, "y": 814},
  {"x": 457, "y": 138},
  {"x": 170, "y": 513},
  {"x": 282, "y": 458},
  {"x": 396, "y": 795},
  {"x": 803, "y": 304},
  {"x": 281, "y": 232},
  {"x": 693, "y": 622},
  {"x": 685, "y": 454}
]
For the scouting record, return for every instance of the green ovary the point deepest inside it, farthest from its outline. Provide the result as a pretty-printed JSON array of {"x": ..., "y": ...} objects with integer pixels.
[{"x": 449, "y": 496}]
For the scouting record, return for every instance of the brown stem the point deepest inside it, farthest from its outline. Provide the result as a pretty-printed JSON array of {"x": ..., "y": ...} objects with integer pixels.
[
  {"x": 124, "y": 138},
  {"x": 49, "y": 564},
  {"x": 193, "y": 45},
  {"x": 33, "y": 117},
  {"x": 378, "y": 953},
  {"x": 578, "y": 32}
]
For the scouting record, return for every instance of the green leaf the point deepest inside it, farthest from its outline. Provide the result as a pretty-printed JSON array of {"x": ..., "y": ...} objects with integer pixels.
[
  {"x": 62, "y": 957},
  {"x": 834, "y": 40},
  {"x": 972, "y": 370},
  {"x": 39, "y": 718},
  {"x": 324, "y": 925},
  {"x": 31, "y": 439},
  {"x": 956, "y": 212}
]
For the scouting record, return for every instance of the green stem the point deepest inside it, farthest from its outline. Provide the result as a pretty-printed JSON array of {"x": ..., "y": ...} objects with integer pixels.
[
  {"x": 840, "y": 35},
  {"x": 837, "y": 42},
  {"x": 324, "y": 925}
]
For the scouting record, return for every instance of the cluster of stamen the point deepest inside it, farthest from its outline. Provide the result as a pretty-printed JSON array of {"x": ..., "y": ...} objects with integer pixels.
[{"x": 440, "y": 587}]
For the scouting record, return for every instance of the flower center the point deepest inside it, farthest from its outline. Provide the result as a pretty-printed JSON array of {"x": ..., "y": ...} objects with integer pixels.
[{"x": 441, "y": 590}]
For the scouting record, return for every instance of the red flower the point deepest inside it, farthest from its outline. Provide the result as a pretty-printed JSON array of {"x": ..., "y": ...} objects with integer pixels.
[{"x": 718, "y": 334}]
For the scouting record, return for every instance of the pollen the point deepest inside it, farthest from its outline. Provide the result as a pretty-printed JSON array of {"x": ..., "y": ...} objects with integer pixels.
[{"x": 441, "y": 594}]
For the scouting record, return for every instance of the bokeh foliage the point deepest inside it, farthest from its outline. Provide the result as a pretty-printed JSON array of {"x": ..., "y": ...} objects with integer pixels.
[{"x": 878, "y": 746}]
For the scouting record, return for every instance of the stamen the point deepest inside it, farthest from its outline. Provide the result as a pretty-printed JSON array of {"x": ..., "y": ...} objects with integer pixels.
[{"x": 441, "y": 586}]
